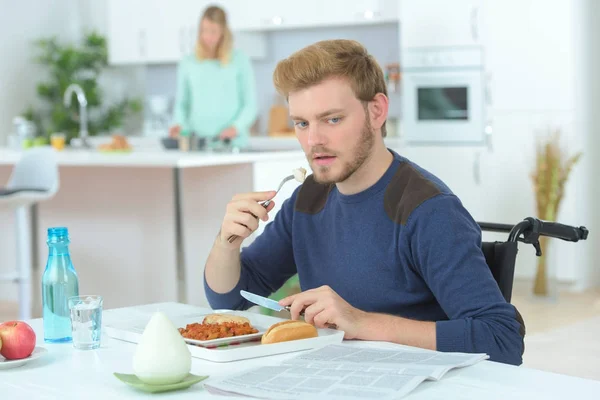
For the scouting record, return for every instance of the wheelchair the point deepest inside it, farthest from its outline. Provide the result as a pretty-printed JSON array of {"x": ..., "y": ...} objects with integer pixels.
[{"x": 501, "y": 256}]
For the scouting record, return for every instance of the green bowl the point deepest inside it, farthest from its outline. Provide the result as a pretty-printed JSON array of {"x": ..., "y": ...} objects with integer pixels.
[{"x": 134, "y": 381}]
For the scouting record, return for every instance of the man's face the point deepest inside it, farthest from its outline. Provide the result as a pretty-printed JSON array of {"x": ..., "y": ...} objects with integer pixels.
[{"x": 333, "y": 128}]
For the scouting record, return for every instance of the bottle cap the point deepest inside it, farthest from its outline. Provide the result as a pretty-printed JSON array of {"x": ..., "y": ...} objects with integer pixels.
[{"x": 57, "y": 233}]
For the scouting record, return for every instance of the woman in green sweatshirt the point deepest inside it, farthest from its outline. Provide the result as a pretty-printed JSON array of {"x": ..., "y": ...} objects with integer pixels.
[{"x": 216, "y": 92}]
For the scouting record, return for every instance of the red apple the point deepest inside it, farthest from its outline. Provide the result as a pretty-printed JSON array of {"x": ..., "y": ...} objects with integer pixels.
[{"x": 18, "y": 340}]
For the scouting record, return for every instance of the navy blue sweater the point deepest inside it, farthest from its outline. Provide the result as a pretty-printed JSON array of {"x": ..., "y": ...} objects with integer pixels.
[{"x": 406, "y": 246}]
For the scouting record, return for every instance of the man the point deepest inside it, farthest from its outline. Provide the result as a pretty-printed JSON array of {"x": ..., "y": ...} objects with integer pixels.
[{"x": 383, "y": 249}]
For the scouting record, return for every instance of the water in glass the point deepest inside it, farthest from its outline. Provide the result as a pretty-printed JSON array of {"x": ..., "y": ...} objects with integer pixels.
[{"x": 86, "y": 321}]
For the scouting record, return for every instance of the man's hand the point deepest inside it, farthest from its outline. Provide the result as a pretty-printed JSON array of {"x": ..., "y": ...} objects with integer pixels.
[
  {"x": 323, "y": 307},
  {"x": 228, "y": 133},
  {"x": 242, "y": 214}
]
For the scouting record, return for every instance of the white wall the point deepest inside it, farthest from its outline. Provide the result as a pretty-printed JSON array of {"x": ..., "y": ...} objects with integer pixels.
[
  {"x": 21, "y": 22},
  {"x": 587, "y": 84}
]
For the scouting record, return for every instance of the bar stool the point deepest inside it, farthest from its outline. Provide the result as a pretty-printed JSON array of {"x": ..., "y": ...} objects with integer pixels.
[{"x": 34, "y": 178}]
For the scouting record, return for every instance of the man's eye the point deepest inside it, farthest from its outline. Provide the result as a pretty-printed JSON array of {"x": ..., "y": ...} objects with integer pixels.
[
  {"x": 301, "y": 124},
  {"x": 335, "y": 120}
]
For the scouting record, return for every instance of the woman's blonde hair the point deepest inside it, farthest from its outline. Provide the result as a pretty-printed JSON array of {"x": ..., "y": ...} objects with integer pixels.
[
  {"x": 341, "y": 58},
  {"x": 217, "y": 15}
]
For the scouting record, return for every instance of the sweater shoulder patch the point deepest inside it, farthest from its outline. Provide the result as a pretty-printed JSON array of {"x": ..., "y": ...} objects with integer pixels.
[
  {"x": 406, "y": 191},
  {"x": 312, "y": 196}
]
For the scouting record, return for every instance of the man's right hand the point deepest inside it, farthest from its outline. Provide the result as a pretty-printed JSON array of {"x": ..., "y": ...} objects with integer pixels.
[{"x": 242, "y": 216}]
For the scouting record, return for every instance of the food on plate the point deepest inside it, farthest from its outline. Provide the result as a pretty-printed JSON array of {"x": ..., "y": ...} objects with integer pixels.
[
  {"x": 17, "y": 340},
  {"x": 300, "y": 174},
  {"x": 118, "y": 143},
  {"x": 161, "y": 356},
  {"x": 218, "y": 326},
  {"x": 289, "y": 330},
  {"x": 220, "y": 318}
]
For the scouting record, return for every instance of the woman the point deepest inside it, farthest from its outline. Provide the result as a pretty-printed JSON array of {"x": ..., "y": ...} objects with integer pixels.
[{"x": 216, "y": 93}]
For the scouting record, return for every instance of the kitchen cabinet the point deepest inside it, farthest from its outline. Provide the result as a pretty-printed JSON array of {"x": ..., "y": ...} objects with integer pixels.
[
  {"x": 154, "y": 31},
  {"x": 530, "y": 55},
  {"x": 168, "y": 30},
  {"x": 280, "y": 15},
  {"x": 126, "y": 36},
  {"x": 433, "y": 23}
]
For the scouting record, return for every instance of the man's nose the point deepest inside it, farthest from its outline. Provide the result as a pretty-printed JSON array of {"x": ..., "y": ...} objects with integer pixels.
[{"x": 315, "y": 138}]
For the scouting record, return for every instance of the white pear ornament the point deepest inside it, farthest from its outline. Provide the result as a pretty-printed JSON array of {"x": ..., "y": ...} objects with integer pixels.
[{"x": 161, "y": 356}]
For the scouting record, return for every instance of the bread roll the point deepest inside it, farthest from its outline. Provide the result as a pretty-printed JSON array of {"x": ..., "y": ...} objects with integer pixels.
[
  {"x": 289, "y": 330},
  {"x": 220, "y": 318}
]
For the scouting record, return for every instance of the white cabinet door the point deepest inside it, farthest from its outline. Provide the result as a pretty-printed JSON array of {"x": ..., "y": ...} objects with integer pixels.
[
  {"x": 530, "y": 55},
  {"x": 432, "y": 23},
  {"x": 280, "y": 15},
  {"x": 359, "y": 12},
  {"x": 154, "y": 31},
  {"x": 170, "y": 29},
  {"x": 127, "y": 41}
]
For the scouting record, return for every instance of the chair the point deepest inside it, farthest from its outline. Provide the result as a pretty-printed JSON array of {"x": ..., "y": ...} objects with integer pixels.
[
  {"x": 501, "y": 256},
  {"x": 34, "y": 178}
]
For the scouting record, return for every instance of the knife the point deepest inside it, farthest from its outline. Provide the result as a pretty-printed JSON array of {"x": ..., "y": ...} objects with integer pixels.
[
  {"x": 263, "y": 301},
  {"x": 271, "y": 304}
]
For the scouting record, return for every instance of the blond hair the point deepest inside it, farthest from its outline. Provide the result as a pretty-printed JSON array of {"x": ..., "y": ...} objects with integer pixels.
[
  {"x": 217, "y": 15},
  {"x": 341, "y": 58}
]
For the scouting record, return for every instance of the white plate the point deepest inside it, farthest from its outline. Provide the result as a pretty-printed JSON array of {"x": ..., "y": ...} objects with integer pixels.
[
  {"x": 182, "y": 321},
  {"x": 37, "y": 353},
  {"x": 131, "y": 331},
  {"x": 253, "y": 337}
]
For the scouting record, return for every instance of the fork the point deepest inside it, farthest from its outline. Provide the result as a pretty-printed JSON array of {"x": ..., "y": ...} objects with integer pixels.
[{"x": 266, "y": 203}]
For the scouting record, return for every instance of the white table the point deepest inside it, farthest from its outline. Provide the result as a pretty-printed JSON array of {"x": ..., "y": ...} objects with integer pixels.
[{"x": 67, "y": 373}]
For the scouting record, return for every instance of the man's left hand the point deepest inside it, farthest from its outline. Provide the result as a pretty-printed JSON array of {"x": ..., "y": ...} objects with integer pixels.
[
  {"x": 228, "y": 133},
  {"x": 323, "y": 307}
]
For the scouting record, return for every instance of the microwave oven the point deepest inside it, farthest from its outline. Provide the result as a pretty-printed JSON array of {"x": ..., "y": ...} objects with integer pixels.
[{"x": 443, "y": 99}]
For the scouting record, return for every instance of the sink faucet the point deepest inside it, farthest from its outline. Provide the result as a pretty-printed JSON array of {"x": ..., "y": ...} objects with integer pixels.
[{"x": 83, "y": 119}]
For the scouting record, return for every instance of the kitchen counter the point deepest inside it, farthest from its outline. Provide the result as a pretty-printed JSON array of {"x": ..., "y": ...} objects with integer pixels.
[
  {"x": 142, "y": 223},
  {"x": 157, "y": 158}
]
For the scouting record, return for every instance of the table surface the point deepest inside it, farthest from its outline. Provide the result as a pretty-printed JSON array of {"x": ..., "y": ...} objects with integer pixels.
[{"x": 68, "y": 373}]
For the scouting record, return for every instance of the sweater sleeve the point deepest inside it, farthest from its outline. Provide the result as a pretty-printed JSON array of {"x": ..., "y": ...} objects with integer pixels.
[
  {"x": 249, "y": 109},
  {"x": 266, "y": 264},
  {"x": 181, "y": 107},
  {"x": 445, "y": 246}
]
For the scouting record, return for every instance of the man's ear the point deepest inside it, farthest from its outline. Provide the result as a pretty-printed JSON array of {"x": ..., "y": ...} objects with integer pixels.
[{"x": 378, "y": 110}]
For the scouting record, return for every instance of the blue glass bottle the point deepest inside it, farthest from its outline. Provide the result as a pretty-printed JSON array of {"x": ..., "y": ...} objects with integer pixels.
[{"x": 59, "y": 282}]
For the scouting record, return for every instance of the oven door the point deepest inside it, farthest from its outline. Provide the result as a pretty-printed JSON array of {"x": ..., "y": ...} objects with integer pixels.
[{"x": 443, "y": 107}]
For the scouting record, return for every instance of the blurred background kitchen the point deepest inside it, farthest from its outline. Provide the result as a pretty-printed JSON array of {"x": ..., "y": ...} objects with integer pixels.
[{"x": 477, "y": 89}]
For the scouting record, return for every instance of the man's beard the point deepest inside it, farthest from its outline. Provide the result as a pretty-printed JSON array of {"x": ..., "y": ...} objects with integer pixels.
[{"x": 360, "y": 153}]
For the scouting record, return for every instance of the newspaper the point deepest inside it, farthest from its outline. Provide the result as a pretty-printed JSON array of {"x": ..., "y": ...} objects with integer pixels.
[{"x": 345, "y": 372}]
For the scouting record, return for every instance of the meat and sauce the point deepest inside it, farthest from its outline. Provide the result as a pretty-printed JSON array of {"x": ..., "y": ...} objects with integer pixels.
[
  {"x": 221, "y": 330},
  {"x": 218, "y": 326}
]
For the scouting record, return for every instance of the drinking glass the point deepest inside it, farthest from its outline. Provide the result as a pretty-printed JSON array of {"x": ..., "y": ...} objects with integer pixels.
[{"x": 86, "y": 321}]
